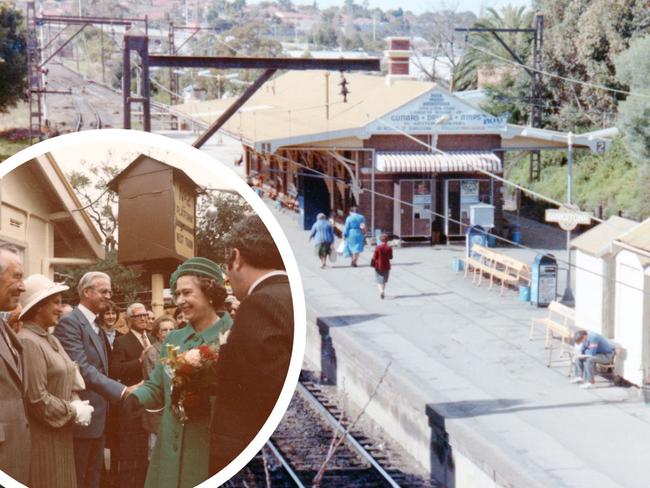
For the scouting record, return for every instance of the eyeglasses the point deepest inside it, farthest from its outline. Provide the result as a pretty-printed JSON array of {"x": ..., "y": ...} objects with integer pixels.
[{"x": 140, "y": 316}]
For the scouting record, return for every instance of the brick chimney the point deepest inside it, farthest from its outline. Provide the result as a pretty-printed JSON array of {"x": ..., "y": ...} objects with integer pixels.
[{"x": 398, "y": 55}]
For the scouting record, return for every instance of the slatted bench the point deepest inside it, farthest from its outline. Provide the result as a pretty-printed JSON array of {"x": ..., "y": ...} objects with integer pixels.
[
  {"x": 601, "y": 368},
  {"x": 499, "y": 267},
  {"x": 560, "y": 322}
]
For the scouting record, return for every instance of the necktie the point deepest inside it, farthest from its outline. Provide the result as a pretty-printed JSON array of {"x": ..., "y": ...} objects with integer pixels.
[{"x": 145, "y": 340}]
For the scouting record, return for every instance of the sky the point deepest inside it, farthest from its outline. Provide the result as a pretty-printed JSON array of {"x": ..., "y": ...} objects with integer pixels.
[{"x": 420, "y": 6}]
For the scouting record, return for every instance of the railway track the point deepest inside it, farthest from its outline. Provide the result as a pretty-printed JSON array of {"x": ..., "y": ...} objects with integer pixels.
[{"x": 300, "y": 445}]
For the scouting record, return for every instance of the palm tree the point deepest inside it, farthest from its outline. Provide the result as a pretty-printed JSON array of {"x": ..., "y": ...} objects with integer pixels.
[{"x": 482, "y": 48}]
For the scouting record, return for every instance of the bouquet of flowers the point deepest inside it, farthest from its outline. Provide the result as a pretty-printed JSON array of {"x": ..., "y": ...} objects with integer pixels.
[{"x": 193, "y": 377}]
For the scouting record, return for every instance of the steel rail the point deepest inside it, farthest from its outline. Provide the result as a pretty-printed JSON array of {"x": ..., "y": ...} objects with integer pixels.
[
  {"x": 349, "y": 438},
  {"x": 285, "y": 464}
]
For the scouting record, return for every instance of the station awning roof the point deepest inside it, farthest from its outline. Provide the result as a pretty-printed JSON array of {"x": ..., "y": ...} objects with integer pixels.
[{"x": 425, "y": 162}]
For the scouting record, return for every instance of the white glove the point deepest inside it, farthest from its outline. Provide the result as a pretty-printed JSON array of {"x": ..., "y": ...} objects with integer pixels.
[{"x": 83, "y": 411}]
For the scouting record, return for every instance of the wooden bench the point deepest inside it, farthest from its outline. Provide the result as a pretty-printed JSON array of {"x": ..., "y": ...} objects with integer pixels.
[
  {"x": 560, "y": 322},
  {"x": 497, "y": 266},
  {"x": 601, "y": 368}
]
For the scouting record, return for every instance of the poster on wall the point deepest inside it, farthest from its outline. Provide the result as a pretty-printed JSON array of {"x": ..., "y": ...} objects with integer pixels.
[{"x": 469, "y": 191}]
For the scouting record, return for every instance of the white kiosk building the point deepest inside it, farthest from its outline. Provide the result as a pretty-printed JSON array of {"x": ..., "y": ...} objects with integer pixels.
[
  {"x": 596, "y": 273},
  {"x": 632, "y": 310}
]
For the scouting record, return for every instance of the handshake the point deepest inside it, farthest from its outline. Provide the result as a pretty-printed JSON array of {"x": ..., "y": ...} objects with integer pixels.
[{"x": 83, "y": 411}]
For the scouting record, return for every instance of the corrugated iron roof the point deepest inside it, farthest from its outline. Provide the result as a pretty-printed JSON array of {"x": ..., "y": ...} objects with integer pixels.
[
  {"x": 598, "y": 241},
  {"x": 638, "y": 237},
  {"x": 423, "y": 162}
]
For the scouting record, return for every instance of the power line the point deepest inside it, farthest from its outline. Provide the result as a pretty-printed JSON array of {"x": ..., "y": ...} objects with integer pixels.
[
  {"x": 485, "y": 172},
  {"x": 497, "y": 237},
  {"x": 560, "y": 77}
]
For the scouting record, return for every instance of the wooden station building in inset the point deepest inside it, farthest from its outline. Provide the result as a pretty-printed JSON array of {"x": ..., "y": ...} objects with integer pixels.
[{"x": 315, "y": 149}]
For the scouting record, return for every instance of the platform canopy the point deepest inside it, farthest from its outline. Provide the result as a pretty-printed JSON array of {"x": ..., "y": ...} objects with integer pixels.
[{"x": 425, "y": 162}]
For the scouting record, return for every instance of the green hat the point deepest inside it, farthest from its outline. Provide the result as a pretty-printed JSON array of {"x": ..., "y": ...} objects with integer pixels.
[{"x": 198, "y": 267}]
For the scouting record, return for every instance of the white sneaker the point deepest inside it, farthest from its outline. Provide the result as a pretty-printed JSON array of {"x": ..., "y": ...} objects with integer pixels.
[
  {"x": 587, "y": 386},
  {"x": 577, "y": 380}
]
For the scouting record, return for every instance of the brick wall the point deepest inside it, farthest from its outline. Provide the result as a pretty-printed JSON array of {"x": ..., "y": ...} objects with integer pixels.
[
  {"x": 469, "y": 142},
  {"x": 396, "y": 143},
  {"x": 383, "y": 205}
]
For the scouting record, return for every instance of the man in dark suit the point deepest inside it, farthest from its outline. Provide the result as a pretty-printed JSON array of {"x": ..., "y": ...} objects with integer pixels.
[
  {"x": 254, "y": 362},
  {"x": 85, "y": 342},
  {"x": 14, "y": 429},
  {"x": 128, "y": 354}
]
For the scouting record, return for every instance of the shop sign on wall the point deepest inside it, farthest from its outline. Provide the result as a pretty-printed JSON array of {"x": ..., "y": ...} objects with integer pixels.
[{"x": 421, "y": 114}]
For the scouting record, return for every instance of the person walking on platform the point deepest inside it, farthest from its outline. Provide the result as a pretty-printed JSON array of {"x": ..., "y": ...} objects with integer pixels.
[
  {"x": 381, "y": 262},
  {"x": 354, "y": 234},
  {"x": 322, "y": 233}
]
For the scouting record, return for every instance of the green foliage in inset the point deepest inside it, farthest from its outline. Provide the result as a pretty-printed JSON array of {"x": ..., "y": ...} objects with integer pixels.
[
  {"x": 210, "y": 232},
  {"x": 13, "y": 57},
  {"x": 125, "y": 281}
]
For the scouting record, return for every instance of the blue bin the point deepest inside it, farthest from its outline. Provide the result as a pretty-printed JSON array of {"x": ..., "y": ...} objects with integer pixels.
[
  {"x": 457, "y": 264},
  {"x": 524, "y": 293},
  {"x": 516, "y": 237},
  {"x": 491, "y": 240}
]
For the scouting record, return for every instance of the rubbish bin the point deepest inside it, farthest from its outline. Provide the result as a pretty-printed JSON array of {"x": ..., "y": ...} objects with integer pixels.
[
  {"x": 475, "y": 235},
  {"x": 515, "y": 234},
  {"x": 543, "y": 288}
]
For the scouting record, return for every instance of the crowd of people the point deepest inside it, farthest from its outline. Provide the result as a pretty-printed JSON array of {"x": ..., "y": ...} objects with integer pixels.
[
  {"x": 73, "y": 385},
  {"x": 354, "y": 240}
]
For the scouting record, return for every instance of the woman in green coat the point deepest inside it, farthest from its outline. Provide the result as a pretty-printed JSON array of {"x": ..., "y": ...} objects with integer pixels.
[{"x": 180, "y": 457}]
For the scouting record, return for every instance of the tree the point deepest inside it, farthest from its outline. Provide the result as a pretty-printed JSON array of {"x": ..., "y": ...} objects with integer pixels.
[
  {"x": 482, "y": 49},
  {"x": 210, "y": 232},
  {"x": 632, "y": 68},
  {"x": 581, "y": 41},
  {"x": 125, "y": 281},
  {"x": 13, "y": 57},
  {"x": 99, "y": 202}
]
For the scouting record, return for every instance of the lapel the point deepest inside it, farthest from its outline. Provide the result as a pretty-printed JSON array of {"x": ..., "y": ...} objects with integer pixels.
[
  {"x": 136, "y": 345},
  {"x": 97, "y": 341},
  {"x": 7, "y": 355}
]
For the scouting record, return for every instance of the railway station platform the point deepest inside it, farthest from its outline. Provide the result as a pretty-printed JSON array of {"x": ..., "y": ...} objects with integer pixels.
[{"x": 466, "y": 393}]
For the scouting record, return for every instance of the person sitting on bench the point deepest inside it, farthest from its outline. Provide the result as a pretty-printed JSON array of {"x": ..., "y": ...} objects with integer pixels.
[{"x": 591, "y": 348}]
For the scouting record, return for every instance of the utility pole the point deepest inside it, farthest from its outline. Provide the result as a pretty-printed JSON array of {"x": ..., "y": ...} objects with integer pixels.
[{"x": 537, "y": 87}]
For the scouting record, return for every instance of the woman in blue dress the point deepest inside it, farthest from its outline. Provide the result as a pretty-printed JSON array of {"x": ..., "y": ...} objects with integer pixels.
[{"x": 354, "y": 234}]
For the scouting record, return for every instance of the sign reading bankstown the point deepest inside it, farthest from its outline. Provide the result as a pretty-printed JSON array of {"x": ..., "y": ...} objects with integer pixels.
[{"x": 568, "y": 217}]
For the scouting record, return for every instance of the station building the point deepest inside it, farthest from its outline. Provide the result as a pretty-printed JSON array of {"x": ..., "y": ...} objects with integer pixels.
[
  {"x": 412, "y": 156},
  {"x": 41, "y": 215}
]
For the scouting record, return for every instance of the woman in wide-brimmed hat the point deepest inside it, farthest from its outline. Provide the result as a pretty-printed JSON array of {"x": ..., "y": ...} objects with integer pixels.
[
  {"x": 180, "y": 457},
  {"x": 53, "y": 405}
]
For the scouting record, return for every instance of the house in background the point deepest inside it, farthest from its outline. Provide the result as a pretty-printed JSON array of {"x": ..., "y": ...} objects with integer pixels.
[{"x": 41, "y": 215}]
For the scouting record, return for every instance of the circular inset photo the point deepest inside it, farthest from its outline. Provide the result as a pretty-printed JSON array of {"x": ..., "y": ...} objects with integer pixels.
[{"x": 153, "y": 317}]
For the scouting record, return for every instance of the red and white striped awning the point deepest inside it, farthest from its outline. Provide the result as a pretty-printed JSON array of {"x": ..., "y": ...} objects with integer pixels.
[{"x": 424, "y": 162}]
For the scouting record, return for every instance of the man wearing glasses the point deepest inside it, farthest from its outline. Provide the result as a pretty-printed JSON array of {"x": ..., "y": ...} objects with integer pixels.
[
  {"x": 86, "y": 344},
  {"x": 129, "y": 352}
]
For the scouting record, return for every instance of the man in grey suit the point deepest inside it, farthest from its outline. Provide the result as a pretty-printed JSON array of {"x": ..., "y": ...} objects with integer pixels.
[
  {"x": 86, "y": 344},
  {"x": 14, "y": 430}
]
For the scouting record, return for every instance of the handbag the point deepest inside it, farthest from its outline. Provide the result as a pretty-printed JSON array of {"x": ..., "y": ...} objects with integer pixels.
[
  {"x": 372, "y": 261},
  {"x": 340, "y": 249}
]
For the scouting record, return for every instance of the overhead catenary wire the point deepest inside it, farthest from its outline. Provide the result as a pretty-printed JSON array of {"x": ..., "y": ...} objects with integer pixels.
[
  {"x": 485, "y": 172},
  {"x": 611, "y": 280},
  {"x": 596, "y": 86}
]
